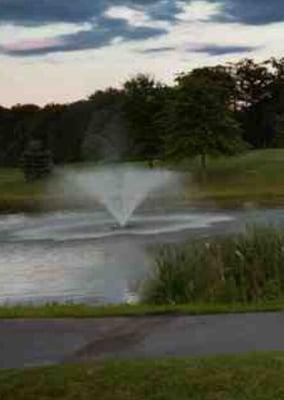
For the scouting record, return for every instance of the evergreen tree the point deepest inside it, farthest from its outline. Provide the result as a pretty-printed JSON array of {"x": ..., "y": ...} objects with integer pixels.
[{"x": 36, "y": 161}]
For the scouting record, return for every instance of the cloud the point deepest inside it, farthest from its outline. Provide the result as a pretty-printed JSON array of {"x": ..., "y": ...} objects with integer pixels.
[
  {"x": 126, "y": 20},
  {"x": 104, "y": 27},
  {"x": 66, "y": 77},
  {"x": 154, "y": 50},
  {"x": 23, "y": 45},
  {"x": 39, "y": 12},
  {"x": 215, "y": 50},
  {"x": 165, "y": 10},
  {"x": 252, "y": 12},
  {"x": 83, "y": 40}
]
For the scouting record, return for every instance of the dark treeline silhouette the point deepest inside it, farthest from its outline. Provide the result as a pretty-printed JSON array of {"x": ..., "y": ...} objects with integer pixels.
[{"x": 210, "y": 110}]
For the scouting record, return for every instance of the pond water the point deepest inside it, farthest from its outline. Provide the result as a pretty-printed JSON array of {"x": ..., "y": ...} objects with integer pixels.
[{"x": 84, "y": 257}]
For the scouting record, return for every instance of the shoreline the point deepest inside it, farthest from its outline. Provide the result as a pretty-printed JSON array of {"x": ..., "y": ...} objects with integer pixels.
[{"x": 58, "y": 311}]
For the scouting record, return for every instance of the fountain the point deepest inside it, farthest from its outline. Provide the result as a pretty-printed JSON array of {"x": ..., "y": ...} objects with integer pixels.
[{"x": 120, "y": 189}]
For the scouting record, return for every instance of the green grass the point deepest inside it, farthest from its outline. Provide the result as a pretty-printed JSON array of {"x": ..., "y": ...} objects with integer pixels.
[
  {"x": 248, "y": 377},
  {"x": 140, "y": 310},
  {"x": 239, "y": 268},
  {"x": 16, "y": 194},
  {"x": 256, "y": 177}
]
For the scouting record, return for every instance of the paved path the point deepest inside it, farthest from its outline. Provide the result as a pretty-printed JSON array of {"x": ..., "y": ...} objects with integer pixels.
[{"x": 38, "y": 342}]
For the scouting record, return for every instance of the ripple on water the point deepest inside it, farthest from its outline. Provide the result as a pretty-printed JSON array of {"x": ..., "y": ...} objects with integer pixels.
[{"x": 81, "y": 257}]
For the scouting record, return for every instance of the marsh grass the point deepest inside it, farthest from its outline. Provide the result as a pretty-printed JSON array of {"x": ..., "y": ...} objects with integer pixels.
[{"x": 242, "y": 268}]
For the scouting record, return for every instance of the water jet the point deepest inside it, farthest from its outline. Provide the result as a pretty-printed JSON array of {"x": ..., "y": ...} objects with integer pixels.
[{"x": 121, "y": 189}]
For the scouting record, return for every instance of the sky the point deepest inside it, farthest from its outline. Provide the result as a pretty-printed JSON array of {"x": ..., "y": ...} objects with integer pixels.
[{"x": 55, "y": 51}]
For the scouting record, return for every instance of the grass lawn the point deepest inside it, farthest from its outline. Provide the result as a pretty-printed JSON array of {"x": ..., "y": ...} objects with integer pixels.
[
  {"x": 249, "y": 377},
  {"x": 16, "y": 194},
  {"x": 84, "y": 311},
  {"x": 257, "y": 176}
]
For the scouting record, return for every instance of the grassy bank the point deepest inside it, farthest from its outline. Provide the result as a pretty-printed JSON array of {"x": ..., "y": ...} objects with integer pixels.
[
  {"x": 256, "y": 177},
  {"x": 249, "y": 377},
  {"x": 140, "y": 310}
]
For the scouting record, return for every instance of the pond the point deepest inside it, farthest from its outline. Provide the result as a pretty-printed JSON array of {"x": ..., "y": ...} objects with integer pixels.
[{"x": 84, "y": 257}]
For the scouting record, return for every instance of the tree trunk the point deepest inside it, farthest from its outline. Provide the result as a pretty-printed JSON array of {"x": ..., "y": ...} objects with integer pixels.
[{"x": 203, "y": 161}]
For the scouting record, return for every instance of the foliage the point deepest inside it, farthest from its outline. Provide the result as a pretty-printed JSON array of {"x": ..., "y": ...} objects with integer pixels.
[
  {"x": 106, "y": 137},
  {"x": 144, "y": 103},
  {"x": 247, "y": 267},
  {"x": 198, "y": 118},
  {"x": 252, "y": 81},
  {"x": 260, "y": 94}
]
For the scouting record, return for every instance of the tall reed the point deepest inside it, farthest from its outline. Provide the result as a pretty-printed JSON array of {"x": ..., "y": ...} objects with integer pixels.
[{"x": 247, "y": 267}]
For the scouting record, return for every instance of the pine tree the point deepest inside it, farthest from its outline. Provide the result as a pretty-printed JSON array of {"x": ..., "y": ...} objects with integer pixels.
[{"x": 36, "y": 161}]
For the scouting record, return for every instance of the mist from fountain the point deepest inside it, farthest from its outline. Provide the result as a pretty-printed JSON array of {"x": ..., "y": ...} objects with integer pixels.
[{"x": 120, "y": 189}]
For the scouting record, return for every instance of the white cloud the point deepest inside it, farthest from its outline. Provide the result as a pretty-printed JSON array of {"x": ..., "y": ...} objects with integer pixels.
[
  {"x": 194, "y": 32},
  {"x": 200, "y": 10},
  {"x": 14, "y": 33},
  {"x": 134, "y": 17}
]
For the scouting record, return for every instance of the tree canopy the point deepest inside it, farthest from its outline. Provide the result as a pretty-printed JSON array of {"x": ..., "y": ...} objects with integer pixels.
[
  {"x": 199, "y": 120},
  {"x": 210, "y": 110}
]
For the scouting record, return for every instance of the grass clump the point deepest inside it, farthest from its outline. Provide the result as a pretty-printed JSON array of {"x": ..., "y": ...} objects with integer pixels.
[{"x": 243, "y": 268}]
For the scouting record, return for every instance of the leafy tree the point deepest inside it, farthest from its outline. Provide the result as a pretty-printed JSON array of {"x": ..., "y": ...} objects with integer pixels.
[
  {"x": 263, "y": 88},
  {"x": 67, "y": 131},
  {"x": 19, "y": 122},
  {"x": 278, "y": 67},
  {"x": 252, "y": 82},
  {"x": 144, "y": 101},
  {"x": 199, "y": 120},
  {"x": 279, "y": 135},
  {"x": 104, "y": 98},
  {"x": 219, "y": 78},
  {"x": 107, "y": 136}
]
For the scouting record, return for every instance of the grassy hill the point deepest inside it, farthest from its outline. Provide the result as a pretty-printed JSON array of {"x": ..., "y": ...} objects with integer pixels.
[{"x": 256, "y": 177}]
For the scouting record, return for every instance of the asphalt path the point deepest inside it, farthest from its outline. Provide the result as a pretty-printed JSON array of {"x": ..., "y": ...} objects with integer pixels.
[{"x": 26, "y": 343}]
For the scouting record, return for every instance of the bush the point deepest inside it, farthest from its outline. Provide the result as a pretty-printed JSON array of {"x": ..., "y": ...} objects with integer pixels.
[{"x": 244, "y": 268}]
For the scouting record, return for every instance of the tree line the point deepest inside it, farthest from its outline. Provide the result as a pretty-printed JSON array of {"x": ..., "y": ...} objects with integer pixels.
[{"x": 212, "y": 110}]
